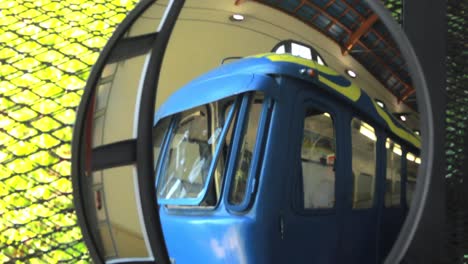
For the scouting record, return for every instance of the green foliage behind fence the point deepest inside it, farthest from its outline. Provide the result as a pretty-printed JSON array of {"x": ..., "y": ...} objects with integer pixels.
[{"x": 47, "y": 48}]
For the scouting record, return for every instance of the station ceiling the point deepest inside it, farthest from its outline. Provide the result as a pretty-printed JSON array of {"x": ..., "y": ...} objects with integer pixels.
[{"x": 357, "y": 30}]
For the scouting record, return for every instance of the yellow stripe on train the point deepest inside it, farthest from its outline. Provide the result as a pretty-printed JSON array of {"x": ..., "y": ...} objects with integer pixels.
[
  {"x": 353, "y": 92},
  {"x": 402, "y": 133}
]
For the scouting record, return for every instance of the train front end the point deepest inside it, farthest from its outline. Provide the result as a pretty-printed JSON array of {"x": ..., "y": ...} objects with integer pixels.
[{"x": 208, "y": 140}]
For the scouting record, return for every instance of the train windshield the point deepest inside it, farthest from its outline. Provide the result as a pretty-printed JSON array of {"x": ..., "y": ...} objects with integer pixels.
[
  {"x": 193, "y": 147},
  {"x": 190, "y": 157}
]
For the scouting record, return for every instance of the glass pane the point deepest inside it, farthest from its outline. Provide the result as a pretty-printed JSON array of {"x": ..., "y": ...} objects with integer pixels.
[
  {"x": 320, "y": 60},
  {"x": 116, "y": 94},
  {"x": 149, "y": 21},
  {"x": 243, "y": 164},
  {"x": 110, "y": 203},
  {"x": 363, "y": 163},
  {"x": 193, "y": 142},
  {"x": 231, "y": 128},
  {"x": 190, "y": 153},
  {"x": 412, "y": 172},
  {"x": 158, "y": 136},
  {"x": 115, "y": 100},
  {"x": 301, "y": 51},
  {"x": 318, "y": 159},
  {"x": 393, "y": 178},
  {"x": 281, "y": 50},
  {"x": 223, "y": 109},
  {"x": 115, "y": 215}
]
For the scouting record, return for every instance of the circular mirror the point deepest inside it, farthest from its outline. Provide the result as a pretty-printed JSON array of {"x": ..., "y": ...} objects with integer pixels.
[{"x": 252, "y": 132}]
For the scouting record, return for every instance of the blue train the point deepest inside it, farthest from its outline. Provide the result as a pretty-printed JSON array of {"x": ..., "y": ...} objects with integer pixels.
[{"x": 276, "y": 158}]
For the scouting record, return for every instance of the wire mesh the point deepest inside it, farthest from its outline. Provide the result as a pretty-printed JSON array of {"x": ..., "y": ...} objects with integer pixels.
[
  {"x": 396, "y": 8},
  {"x": 456, "y": 132},
  {"x": 456, "y": 226},
  {"x": 47, "y": 48}
]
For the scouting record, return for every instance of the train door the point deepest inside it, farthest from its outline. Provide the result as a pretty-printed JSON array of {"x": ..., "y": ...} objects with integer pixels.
[
  {"x": 360, "y": 222},
  {"x": 393, "y": 210},
  {"x": 311, "y": 213}
]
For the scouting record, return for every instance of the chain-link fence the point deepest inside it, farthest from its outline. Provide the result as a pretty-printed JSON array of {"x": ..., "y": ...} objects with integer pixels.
[
  {"x": 47, "y": 48},
  {"x": 396, "y": 8}
]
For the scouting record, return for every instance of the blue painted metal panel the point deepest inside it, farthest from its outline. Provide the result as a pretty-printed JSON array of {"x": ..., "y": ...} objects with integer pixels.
[
  {"x": 214, "y": 237},
  {"x": 215, "y": 89}
]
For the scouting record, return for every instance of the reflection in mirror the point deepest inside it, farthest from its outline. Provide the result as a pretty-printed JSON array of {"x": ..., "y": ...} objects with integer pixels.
[
  {"x": 364, "y": 155},
  {"x": 393, "y": 175},
  {"x": 318, "y": 154},
  {"x": 117, "y": 227},
  {"x": 149, "y": 21},
  {"x": 111, "y": 197},
  {"x": 115, "y": 101},
  {"x": 240, "y": 177},
  {"x": 332, "y": 55},
  {"x": 121, "y": 78},
  {"x": 196, "y": 150},
  {"x": 413, "y": 162}
]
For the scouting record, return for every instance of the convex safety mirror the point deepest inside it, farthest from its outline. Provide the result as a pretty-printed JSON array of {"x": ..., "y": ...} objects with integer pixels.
[{"x": 251, "y": 132}]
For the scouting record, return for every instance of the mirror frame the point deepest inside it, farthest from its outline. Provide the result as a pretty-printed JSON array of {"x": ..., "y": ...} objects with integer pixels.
[
  {"x": 418, "y": 203},
  {"x": 78, "y": 138},
  {"x": 144, "y": 157},
  {"x": 149, "y": 202}
]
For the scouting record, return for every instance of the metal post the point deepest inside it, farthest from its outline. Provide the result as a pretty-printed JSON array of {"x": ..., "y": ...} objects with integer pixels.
[{"x": 424, "y": 22}]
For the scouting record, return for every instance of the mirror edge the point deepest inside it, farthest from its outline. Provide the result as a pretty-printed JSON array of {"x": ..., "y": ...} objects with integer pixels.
[
  {"x": 77, "y": 144},
  {"x": 408, "y": 230},
  {"x": 146, "y": 101}
]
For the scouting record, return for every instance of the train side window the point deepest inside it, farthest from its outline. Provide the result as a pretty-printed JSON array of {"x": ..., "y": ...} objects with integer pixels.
[
  {"x": 239, "y": 184},
  {"x": 301, "y": 51},
  {"x": 320, "y": 60},
  {"x": 393, "y": 175},
  {"x": 281, "y": 50},
  {"x": 159, "y": 133},
  {"x": 318, "y": 158},
  {"x": 363, "y": 163},
  {"x": 411, "y": 172}
]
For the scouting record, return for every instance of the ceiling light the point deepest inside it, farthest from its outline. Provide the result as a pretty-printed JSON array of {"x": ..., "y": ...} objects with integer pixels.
[
  {"x": 380, "y": 103},
  {"x": 351, "y": 73},
  {"x": 237, "y": 17},
  {"x": 402, "y": 116}
]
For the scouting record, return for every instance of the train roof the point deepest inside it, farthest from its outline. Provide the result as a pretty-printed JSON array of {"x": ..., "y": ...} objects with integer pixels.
[{"x": 252, "y": 74}]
